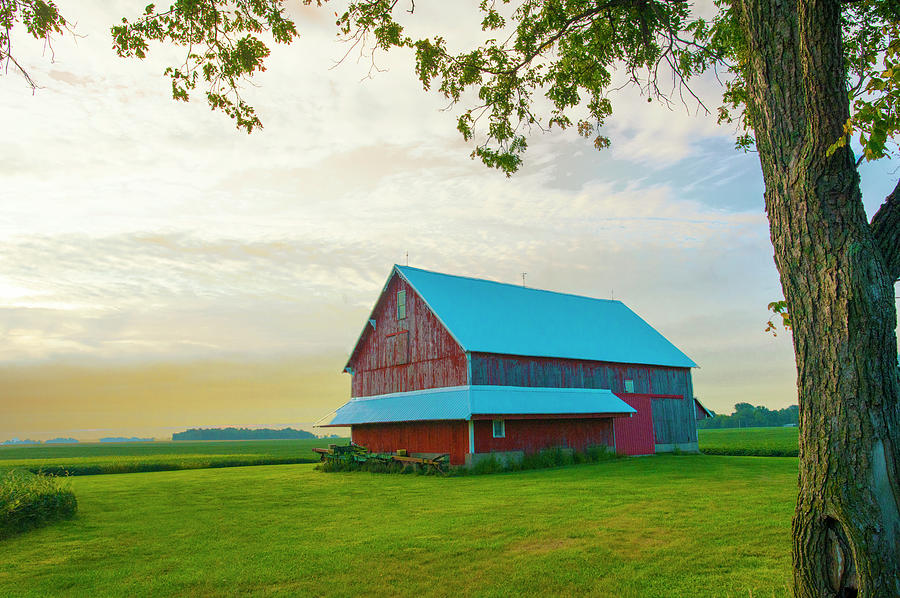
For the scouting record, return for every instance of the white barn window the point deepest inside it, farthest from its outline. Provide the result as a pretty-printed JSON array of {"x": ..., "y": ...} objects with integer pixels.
[
  {"x": 499, "y": 428},
  {"x": 401, "y": 305}
]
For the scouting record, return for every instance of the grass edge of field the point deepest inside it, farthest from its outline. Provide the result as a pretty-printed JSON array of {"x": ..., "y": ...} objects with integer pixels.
[{"x": 101, "y": 459}]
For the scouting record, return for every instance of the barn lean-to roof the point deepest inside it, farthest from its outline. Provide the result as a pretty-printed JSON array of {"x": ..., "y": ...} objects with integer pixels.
[
  {"x": 491, "y": 317},
  {"x": 470, "y": 401}
]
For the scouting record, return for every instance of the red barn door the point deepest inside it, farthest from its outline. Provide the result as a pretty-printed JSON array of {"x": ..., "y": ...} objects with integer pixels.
[{"x": 634, "y": 435}]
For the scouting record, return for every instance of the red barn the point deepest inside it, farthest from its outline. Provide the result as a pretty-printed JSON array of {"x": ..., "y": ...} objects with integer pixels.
[{"x": 469, "y": 367}]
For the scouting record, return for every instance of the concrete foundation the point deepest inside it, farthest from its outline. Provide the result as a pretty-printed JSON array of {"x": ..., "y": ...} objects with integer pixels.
[
  {"x": 502, "y": 457},
  {"x": 682, "y": 447}
]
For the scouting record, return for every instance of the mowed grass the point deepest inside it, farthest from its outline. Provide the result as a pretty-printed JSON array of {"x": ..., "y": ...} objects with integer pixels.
[
  {"x": 663, "y": 526},
  {"x": 762, "y": 442},
  {"x": 127, "y": 457}
]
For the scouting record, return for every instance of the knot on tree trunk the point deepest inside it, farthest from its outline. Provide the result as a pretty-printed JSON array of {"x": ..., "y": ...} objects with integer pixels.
[{"x": 840, "y": 568}]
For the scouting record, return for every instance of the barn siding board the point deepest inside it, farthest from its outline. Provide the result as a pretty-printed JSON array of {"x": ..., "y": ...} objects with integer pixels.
[
  {"x": 674, "y": 420},
  {"x": 671, "y": 421},
  {"x": 635, "y": 435},
  {"x": 432, "y": 357},
  {"x": 689, "y": 395},
  {"x": 532, "y": 435},
  {"x": 416, "y": 437},
  {"x": 662, "y": 422}
]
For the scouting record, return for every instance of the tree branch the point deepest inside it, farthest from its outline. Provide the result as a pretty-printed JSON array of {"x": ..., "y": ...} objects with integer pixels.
[{"x": 886, "y": 231}]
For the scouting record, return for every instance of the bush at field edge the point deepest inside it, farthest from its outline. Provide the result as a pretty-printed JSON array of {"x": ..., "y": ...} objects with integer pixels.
[{"x": 28, "y": 501}]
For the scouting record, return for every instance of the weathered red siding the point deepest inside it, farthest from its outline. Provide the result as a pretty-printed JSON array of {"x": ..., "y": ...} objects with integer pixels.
[
  {"x": 410, "y": 354},
  {"x": 416, "y": 437},
  {"x": 634, "y": 435},
  {"x": 532, "y": 435},
  {"x": 552, "y": 372}
]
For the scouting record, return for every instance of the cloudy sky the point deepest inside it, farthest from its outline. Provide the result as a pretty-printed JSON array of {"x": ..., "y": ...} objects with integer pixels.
[{"x": 161, "y": 270}]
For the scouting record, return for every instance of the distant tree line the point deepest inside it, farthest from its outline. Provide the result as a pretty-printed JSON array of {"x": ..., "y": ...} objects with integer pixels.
[
  {"x": 747, "y": 416},
  {"x": 241, "y": 434},
  {"x": 51, "y": 441}
]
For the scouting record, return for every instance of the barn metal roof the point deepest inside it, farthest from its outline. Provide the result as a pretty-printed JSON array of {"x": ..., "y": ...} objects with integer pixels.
[
  {"x": 493, "y": 317},
  {"x": 464, "y": 402}
]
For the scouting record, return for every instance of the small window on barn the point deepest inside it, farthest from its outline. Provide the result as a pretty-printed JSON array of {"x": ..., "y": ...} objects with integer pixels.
[
  {"x": 401, "y": 305},
  {"x": 629, "y": 386},
  {"x": 499, "y": 428}
]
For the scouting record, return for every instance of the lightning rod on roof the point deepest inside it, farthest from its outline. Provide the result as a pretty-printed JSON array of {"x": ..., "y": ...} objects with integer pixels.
[
  {"x": 407, "y": 258},
  {"x": 524, "y": 274}
]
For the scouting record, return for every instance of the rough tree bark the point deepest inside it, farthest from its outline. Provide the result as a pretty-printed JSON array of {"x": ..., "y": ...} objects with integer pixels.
[
  {"x": 886, "y": 230},
  {"x": 839, "y": 289}
]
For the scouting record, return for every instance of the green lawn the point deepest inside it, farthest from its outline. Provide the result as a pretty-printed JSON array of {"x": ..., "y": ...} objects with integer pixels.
[
  {"x": 763, "y": 442},
  {"x": 663, "y": 526},
  {"x": 94, "y": 458}
]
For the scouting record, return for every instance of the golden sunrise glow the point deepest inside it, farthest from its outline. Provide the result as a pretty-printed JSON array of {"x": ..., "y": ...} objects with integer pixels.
[{"x": 154, "y": 400}]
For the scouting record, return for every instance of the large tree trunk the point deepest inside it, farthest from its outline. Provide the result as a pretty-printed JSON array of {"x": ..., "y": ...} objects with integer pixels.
[{"x": 839, "y": 290}]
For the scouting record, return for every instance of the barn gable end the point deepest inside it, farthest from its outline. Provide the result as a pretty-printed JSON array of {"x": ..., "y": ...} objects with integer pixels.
[{"x": 399, "y": 355}]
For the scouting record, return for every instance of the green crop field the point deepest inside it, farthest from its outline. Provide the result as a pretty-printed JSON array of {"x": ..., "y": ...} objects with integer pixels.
[
  {"x": 664, "y": 526},
  {"x": 763, "y": 442},
  {"x": 126, "y": 457}
]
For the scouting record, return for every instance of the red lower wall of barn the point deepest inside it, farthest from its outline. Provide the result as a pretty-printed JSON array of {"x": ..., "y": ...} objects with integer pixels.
[
  {"x": 416, "y": 437},
  {"x": 634, "y": 435},
  {"x": 532, "y": 435}
]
